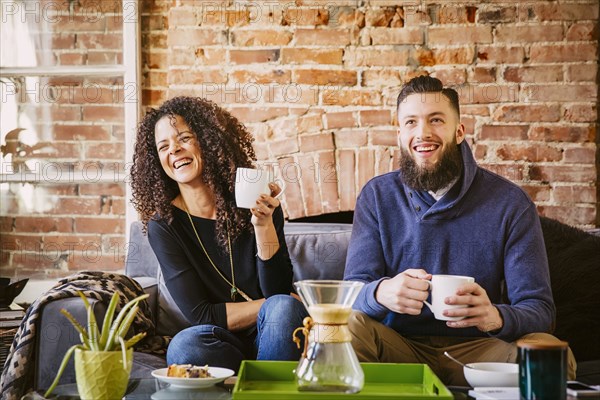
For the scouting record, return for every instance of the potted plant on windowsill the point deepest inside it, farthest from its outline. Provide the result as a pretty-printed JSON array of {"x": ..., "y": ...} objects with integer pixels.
[{"x": 103, "y": 359}]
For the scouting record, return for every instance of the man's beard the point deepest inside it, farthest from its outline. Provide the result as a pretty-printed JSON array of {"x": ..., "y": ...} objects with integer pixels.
[{"x": 431, "y": 178}]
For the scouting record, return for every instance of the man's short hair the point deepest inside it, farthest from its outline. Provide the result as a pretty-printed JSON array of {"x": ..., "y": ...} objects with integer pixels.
[{"x": 427, "y": 84}]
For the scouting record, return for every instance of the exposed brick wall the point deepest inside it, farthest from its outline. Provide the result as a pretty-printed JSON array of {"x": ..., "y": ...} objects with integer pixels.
[{"x": 317, "y": 81}]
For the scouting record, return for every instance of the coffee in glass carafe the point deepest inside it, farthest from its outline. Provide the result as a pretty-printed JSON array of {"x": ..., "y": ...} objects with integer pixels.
[{"x": 328, "y": 362}]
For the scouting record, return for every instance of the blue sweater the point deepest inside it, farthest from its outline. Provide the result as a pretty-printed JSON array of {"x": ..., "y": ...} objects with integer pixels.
[{"x": 485, "y": 227}]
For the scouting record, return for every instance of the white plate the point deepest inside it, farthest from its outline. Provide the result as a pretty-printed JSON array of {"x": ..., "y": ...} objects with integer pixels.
[{"x": 218, "y": 375}]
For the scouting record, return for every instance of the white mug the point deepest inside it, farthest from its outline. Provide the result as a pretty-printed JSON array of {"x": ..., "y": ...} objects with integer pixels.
[
  {"x": 443, "y": 286},
  {"x": 251, "y": 183}
]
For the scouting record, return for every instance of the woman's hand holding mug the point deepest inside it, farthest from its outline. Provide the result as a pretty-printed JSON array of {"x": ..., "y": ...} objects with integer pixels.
[{"x": 255, "y": 185}]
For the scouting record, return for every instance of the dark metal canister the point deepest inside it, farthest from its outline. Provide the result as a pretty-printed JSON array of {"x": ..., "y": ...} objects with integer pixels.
[{"x": 542, "y": 369}]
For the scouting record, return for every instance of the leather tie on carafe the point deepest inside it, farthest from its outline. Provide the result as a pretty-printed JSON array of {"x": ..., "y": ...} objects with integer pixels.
[{"x": 324, "y": 331}]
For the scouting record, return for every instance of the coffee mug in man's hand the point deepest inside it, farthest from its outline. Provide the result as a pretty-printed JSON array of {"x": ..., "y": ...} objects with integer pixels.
[
  {"x": 443, "y": 286},
  {"x": 251, "y": 183}
]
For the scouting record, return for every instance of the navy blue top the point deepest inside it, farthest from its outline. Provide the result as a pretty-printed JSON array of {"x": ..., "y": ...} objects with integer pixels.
[
  {"x": 485, "y": 227},
  {"x": 198, "y": 290}
]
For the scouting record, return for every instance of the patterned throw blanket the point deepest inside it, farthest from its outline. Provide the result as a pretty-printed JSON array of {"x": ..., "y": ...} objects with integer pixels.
[{"x": 17, "y": 375}]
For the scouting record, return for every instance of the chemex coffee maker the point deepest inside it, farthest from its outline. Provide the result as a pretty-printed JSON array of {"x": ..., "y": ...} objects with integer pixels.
[{"x": 328, "y": 362}]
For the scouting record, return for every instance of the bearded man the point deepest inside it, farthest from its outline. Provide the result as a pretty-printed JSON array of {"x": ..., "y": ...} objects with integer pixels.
[{"x": 441, "y": 213}]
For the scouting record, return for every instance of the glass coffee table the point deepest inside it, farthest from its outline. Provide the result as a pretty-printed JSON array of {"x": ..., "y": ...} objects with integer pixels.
[{"x": 150, "y": 388}]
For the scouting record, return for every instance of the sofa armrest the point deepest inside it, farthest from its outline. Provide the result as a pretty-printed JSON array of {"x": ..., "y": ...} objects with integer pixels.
[{"x": 55, "y": 335}]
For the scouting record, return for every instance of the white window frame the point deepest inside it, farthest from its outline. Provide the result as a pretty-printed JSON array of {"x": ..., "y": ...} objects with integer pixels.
[{"x": 130, "y": 71}]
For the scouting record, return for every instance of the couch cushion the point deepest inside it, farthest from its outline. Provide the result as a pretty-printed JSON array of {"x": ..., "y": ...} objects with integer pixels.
[
  {"x": 574, "y": 275},
  {"x": 170, "y": 319},
  {"x": 150, "y": 286},
  {"x": 318, "y": 250},
  {"x": 144, "y": 364},
  {"x": 140, "y": 260}
]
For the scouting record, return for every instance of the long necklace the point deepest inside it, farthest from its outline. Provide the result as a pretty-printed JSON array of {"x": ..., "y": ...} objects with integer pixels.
[{"x": 234, "y": 289}]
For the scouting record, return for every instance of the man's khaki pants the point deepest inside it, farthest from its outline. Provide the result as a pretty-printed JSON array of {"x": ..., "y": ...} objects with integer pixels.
[{"x": 375, "y": 342}]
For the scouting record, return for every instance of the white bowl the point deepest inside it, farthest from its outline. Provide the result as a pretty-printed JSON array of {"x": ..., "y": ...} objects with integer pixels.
[{"x": 492, "y": 374}]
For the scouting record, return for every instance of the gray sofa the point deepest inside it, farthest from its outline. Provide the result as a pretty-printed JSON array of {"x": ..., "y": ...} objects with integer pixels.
[{"x": 318, "y": 251}]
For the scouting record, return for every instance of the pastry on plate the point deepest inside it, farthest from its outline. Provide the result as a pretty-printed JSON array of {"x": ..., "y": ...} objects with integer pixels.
[{"x": 188, "y": 371}]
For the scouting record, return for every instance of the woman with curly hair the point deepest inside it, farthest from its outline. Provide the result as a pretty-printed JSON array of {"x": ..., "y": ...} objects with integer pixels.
[{"x": 227, "y": 268}]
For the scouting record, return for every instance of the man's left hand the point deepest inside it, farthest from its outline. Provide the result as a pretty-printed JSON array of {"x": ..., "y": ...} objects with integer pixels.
[{"x": 480, "y": 312}]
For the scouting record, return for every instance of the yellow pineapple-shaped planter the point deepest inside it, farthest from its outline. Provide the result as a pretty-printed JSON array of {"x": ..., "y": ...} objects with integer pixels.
[
  {"x": 103, "y": 359},
  {"x": 101, "y": 374}
]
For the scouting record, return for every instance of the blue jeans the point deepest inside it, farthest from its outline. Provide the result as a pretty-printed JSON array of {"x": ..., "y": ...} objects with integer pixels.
[{"x": 271, "y": 340}]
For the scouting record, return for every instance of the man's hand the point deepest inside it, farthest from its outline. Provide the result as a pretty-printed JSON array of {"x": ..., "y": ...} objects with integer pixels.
[
  {"x": 405, "y": 292},
  {"x": 481, "y": 313}
]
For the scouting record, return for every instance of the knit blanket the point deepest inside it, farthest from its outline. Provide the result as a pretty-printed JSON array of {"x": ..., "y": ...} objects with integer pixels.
[{"x": 17, "y": 375}]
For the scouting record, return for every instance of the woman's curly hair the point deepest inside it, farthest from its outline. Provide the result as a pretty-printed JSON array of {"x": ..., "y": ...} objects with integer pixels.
[{"x": 225, "y": 145}]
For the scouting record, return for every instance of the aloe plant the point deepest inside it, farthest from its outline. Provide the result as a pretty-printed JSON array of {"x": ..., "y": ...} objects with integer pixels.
[{"x": 109, "y": 338}]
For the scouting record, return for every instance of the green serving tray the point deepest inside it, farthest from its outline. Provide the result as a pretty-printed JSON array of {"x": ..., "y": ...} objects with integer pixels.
[{"x": 263, "y": 380}]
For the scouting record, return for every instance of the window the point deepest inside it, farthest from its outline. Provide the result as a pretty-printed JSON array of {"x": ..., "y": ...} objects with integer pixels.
[{"x": 69, "y": 88}]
